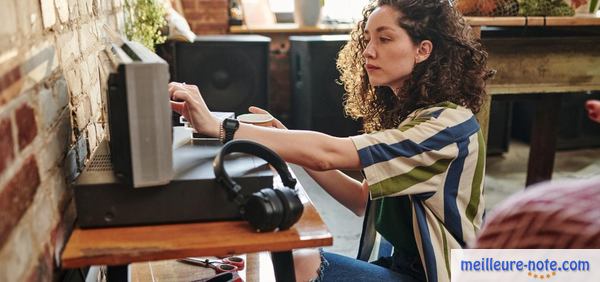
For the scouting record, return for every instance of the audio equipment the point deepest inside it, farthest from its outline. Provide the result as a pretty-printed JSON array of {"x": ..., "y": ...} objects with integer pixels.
[
  {"x": 139, "y": 116},
  {"x": 316, "y": 94},
  {"x": 231, "y": 71},
  {"x": 269, "y": 208}
]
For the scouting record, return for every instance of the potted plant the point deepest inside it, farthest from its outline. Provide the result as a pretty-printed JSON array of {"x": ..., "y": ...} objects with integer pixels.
[{"x": 144, "y": 22}]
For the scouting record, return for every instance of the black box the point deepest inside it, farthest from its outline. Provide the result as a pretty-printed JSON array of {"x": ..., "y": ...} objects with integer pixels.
[
  {"x": 192, "y": 196},
  {"x": 316, "y": 95},
  {"x": 231, "y": 71},
  {"x": 499, "y": 130}
]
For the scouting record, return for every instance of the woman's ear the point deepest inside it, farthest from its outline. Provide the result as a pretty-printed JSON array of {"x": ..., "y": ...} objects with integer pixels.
[{"x": 423, "y": 51}]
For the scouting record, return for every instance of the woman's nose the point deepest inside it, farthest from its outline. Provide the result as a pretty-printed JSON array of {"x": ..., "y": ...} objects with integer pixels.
[{"x": 369, "y": 52}]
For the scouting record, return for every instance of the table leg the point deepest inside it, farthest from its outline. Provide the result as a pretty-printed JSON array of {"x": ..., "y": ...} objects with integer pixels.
[
  {"x": 118, "y": 273},
  {"x": 543, "y": 139},
  {"x": 283, "y": 264}
]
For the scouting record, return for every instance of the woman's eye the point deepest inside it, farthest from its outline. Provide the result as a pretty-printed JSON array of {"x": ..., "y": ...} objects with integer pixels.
[{"x": 384, "y": 39}]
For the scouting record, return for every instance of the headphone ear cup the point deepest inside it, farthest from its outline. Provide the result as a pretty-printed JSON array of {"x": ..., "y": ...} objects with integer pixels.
[
  {"x": 292, "y": 207},
  {"x": 264, "y": 210}
]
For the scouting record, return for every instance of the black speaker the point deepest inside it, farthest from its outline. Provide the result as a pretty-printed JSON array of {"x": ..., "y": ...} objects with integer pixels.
[
  {"x": 232, "y": 71},
  {"x": 500, "y": 122},
  {"x": 316, "y": 96}
]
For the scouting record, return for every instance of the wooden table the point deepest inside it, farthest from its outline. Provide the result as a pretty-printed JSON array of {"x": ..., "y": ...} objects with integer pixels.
[
  {"x": 117, "y": 247},
  {"x": 545, "y": 56},
  {"x": 526, "y": 64}
]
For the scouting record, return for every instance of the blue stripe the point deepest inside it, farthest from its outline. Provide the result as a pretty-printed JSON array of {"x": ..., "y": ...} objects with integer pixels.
[
  {"x": 452, "y": 218},
  {"x": 407, "y": 148},
  {"x": 437, "y": 113},
  {"x": 428, "y": 252}
]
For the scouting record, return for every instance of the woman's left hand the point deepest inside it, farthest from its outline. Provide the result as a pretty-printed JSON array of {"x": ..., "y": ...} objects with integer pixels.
[{"x": 276, "y": 122}]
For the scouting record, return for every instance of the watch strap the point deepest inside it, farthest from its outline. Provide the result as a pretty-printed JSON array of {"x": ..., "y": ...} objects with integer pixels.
[{"x": 230, "y": 126}]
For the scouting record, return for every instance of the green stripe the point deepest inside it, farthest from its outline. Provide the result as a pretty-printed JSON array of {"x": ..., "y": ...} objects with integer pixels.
[
  {"x": 473, "y": 205},
  {"x": 425, "y": 117},
  {"x": 401, "y": 182},
  {"x": 446, "y": 104},
  {"x": 416, "y": 121},
  {"x": 445, "y": 243}
]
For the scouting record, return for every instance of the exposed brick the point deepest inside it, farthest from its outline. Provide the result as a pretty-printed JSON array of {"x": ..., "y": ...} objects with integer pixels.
[
  {"x": 73, "y": 9},
  {"x": 205, "y": 17},
  {"x": 189, "y": 4},
  {"x": 68, "y": 44},
  {"x": 201, "y": 28},
  {"x": 42, "y": 271},
  {"x": 56, "y": 142},
  {"x": 62, "y": 6},
  {"x": 26, "y": 125},
  {"x": 117, "y": 3},
  {"x": 17, "y": 195},
  {"x": 40, "y": 62},
  {"x": 48, "y": 14},
  {"x": 91, "y": 136},
  {"x": 71, "y": 168},
  {"x": 81, "y": 150},
  {"x": 87, "y": 37},
  {"x": 18, "y": 253},
  {"x": 82, "y": 113},
  {"x": 7, "y": 152},
  {"x": 30, "y": 17},
  {"x": 9, "y": 78},
  {"x": 86, "y": 83},
  {"x": 64, "y": 227},
  {"x": 95, "y": 101},
  {"x": 73, "y": 81},
  {"x": 9, "y": 18},
  {"x": 85, "y": 7}
]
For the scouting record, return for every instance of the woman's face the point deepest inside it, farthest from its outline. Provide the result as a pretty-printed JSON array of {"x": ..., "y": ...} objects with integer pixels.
[{"x": 390, "y": 54}]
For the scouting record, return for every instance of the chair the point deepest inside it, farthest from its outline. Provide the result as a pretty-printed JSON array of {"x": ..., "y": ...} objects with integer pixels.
[{"x": 372, "y": 245}]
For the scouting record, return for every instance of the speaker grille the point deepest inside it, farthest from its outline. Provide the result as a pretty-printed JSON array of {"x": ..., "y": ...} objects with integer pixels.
[
  {"x": 316, "y": 95},
  {"x": 231, "y": 71},
  {"x": 101, "y": 163}
]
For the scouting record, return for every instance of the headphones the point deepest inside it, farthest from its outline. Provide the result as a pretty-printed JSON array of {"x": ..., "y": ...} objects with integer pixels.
[{"x": 268, "y": 208}]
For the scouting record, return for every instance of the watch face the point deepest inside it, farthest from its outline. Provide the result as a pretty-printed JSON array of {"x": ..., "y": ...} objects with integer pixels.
[{"x": 230, "y": 123}]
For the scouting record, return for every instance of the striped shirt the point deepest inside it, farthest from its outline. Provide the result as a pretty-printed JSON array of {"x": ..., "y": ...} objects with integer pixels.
[{"x": 429, "y": 172}]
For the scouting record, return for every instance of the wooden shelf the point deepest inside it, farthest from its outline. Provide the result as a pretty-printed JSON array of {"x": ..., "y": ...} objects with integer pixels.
[
  {"x": 292, "y": 28},
  {"x": 579, "y": 20},
  {"x": 123, "y": 245},
  {"x": 590, "y": 20}
]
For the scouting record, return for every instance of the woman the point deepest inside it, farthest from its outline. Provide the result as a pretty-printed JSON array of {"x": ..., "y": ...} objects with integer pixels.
[{"x": 415, "y": 75}]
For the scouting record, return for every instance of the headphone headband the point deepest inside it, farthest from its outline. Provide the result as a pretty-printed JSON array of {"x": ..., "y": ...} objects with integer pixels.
[
  {"x": 269, "y": 208},
  {"x": 255, "y": 149}
]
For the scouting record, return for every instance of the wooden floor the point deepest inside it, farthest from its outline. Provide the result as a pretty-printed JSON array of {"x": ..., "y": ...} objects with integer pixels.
[{"x": 258, "y": 268}]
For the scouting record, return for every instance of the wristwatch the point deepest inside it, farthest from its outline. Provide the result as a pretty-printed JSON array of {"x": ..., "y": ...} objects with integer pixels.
[{"x": 230, "y": 125}]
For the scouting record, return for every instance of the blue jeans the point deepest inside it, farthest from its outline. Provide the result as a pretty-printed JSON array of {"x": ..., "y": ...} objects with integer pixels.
[{"x": 336, "y": 267}]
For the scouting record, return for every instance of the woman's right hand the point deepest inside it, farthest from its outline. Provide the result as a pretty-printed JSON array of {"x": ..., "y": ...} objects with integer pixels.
[
  {"x": 187, "y": 101},
  {"x": 276, "y": 122}
]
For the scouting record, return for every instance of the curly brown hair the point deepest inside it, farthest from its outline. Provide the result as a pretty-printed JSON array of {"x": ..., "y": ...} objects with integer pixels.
[{"x": 455, "y": 71}]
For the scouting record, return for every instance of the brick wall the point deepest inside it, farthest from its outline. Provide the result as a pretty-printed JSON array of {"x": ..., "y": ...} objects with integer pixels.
[
  {"x": 53, "y": 74},
  {"x": 207, "y": 16}
]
